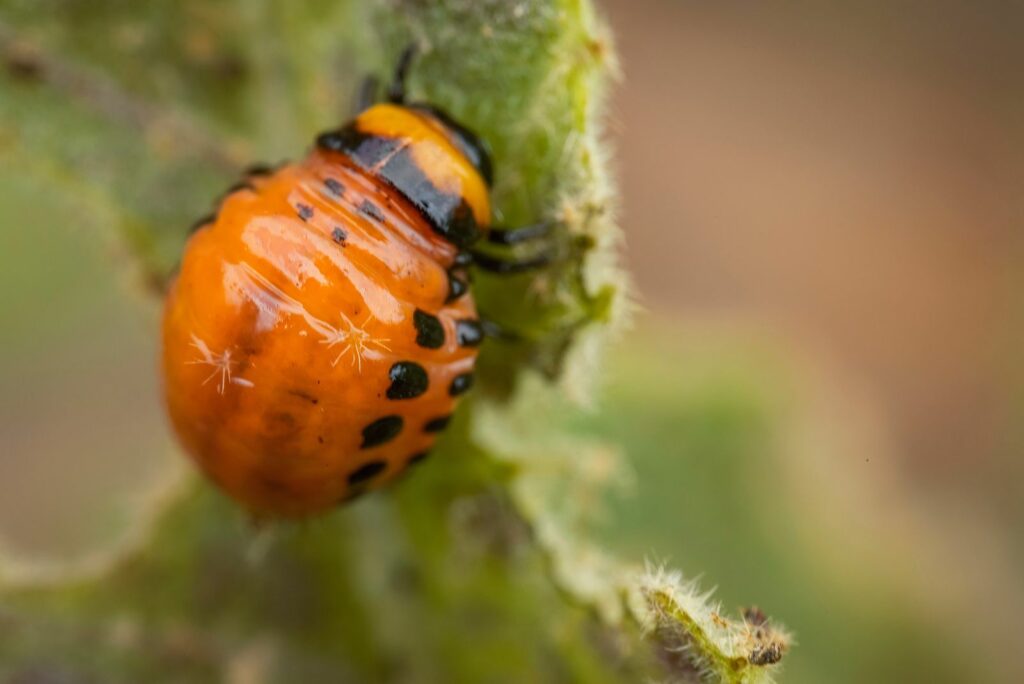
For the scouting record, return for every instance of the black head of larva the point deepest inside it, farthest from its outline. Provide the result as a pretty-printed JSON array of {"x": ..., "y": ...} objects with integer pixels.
[{"x": 471, "y": 146}]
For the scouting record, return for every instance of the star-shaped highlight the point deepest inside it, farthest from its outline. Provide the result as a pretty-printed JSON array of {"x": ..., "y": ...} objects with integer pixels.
[{"x": 356, "y": 340}]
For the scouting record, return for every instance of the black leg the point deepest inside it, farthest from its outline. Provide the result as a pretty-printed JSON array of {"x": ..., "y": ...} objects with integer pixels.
[
  {"x": 542, "y": 247},
  {"x": 507, "y": 266},
  {"x": 515, "y": 236},
  {"x": 366, "y": 96},
  {"x": 396, "y": 90},
  {"x": 496, "y": 331}
]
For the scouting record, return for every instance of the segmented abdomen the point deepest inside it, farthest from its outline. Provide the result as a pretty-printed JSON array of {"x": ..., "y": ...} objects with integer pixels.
[{"x": 310, "y": 350}]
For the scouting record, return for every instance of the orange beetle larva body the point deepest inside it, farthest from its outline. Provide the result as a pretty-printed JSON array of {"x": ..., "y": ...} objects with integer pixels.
[{"x": 320, "y": 330}]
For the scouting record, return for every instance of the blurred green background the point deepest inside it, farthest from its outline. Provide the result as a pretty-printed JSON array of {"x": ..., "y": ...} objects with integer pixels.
[{"x": 822, "y": 397}]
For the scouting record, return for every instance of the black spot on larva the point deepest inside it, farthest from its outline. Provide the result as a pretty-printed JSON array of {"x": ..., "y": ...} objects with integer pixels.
[
  {"x": 429, "y": 331},
  {"x": 472, "y": 147},
  {"x": 456, "y": 287},
  {"x": 334, "y": 186},
  {"x": 372, "y": 210},
  {"x": 338, "y": 235},
  {"x": 469, "y": 332},
  {"x": 305, "y": 211},
  {"x": 320, "y": 439},
  {"x": 437, "y": 424},
  {"x": 367, "y": 471},
  {"x": 460, "y": 384},
  {"x": 205, "y": 221},
  {"x": 416, "y": 458},
  {"x": 381, "y": 430},
  {"x": 408, "y": 380}
]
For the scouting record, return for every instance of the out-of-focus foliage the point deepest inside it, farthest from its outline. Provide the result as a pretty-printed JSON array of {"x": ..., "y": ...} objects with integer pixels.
[{"x": 136, "y": 114}]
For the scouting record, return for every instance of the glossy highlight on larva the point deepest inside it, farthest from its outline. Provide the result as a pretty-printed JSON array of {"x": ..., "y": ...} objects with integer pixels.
[{"x": 320, "y": 330}]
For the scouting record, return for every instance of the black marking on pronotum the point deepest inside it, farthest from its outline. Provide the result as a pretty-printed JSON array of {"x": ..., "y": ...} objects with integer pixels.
[
  {"x": 460, "y": 383},
  {"x": 437, "y": 424},
  {"x": 429, "y": 331},
  {"x": 472, "y": 147},
  {"x": 305, "y": 211},
  {"x": 372, "y": 210},
  {"x": 416, "y": 458},
  {"x": 469, "y": 332},
  {"x": 206, "y": 220},
  {"x": 408, "y": 380},
  {"x": 334, "y": 186},
  {"x": 367, "y": 471},
  {"x": 392, "y": 160},
  {"x": 381, "y": 430},
  {"x": 456, "y": 288},
  {"x": 339, "y": 235}
]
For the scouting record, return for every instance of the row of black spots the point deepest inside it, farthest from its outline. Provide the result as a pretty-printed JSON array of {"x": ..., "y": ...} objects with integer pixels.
[
  {"x": 460, "y": 384},
  {"x": 408, "y": 380},
  {"x": 429, "y": 331}
]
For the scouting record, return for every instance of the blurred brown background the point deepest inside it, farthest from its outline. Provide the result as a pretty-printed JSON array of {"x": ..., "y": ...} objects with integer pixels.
[
  {"x": 850, "y": 176},
  {"x": 846, "y": 182}
]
